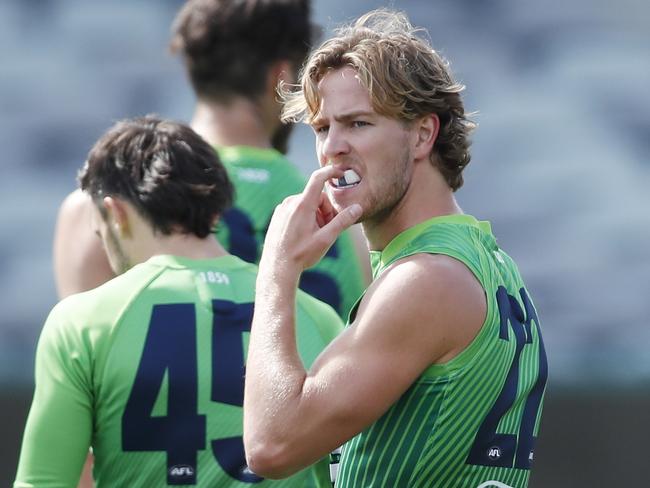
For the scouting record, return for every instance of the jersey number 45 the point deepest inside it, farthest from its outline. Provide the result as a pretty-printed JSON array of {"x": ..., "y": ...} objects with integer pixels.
[{"x": 170, "y": 349}]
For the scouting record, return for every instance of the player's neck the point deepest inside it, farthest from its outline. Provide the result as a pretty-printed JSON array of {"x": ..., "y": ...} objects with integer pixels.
[
  {"x": 428, "y": 196},
  {"x": 188, "y": 246},
  {"x": 238, "y": 123}
]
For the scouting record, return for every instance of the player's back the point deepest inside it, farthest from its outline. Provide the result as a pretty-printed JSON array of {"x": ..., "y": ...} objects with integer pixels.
[
  {"x": 168, "y": 341},
  {"x": 263, "y": 178}
]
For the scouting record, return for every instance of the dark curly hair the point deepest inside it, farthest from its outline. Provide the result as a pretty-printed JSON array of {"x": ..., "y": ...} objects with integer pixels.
[
  {"x": 228, "y": 45},
  {"x": 168, "y": 172}
]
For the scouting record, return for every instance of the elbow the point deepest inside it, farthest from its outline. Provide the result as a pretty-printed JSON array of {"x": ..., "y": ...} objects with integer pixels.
[{"x": 269, "y": 459}]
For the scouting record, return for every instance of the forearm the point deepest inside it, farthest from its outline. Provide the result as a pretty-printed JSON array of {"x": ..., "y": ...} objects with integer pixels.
[
  {"x": 285, "y": 422},
  {"x": 274, "y": 372}
]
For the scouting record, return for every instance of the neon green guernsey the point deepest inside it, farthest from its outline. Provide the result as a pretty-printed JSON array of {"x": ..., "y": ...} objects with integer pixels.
[
  {"x": 262, "y": 179},
  {"x": 148, "y": 369},
  {"x": 471, "y": 422}
]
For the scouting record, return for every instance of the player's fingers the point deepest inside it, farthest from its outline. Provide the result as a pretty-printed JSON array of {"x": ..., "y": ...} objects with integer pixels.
[
  {"x": 344, "y": 219},
  {"x": 317, "y": 180},
  {"x": 320, "y": 218},
  {"x": 325, "y": 209}
]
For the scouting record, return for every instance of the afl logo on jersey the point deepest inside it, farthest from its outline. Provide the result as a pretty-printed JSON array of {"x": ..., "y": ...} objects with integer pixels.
[
  {"x": 181, "y": 471},
  {"x": 494, "y": 453}
]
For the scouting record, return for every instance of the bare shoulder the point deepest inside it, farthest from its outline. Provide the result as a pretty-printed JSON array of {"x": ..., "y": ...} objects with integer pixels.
[
  {"x": 434, "y": 297},
  {"x": 73, "y": 220},
  {"x": 76, "y": 202},
  {"x": 74, "y": 210},
  {"x": 438, "y": 273},
  {"x": 80, "y": 262},
  {"x": 442, "y": 280}
]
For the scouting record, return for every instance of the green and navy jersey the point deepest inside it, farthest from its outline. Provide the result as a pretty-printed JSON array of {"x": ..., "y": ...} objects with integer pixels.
[
  {"x": 263, "y": 178},
  {"x": 148, "y": 369},
  {"x": 471, "y": 422}
]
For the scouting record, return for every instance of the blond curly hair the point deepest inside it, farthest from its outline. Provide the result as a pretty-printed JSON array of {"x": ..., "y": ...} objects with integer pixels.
[{"x": 405, "y": 78}]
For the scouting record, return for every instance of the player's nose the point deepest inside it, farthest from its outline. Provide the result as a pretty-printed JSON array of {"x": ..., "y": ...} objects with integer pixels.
[{"x": 335, "y": 144}]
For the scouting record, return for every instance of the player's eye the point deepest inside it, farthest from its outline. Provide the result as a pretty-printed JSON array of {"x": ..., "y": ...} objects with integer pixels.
[{"x": 359, "y": 123}]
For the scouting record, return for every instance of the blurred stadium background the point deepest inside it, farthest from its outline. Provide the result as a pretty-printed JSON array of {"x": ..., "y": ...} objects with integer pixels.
[{"x": 560, "y": 167}]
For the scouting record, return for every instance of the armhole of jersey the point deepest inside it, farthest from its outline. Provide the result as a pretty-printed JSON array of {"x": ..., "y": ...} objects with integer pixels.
[
  {"x": 474, "y": 349},
  {"x": 355, "y": 308}
]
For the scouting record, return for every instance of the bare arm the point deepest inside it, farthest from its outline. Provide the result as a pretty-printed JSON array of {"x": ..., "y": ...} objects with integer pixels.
[
  {"x": 292, "y": 417},
  {"x": 80, "y": 262}
]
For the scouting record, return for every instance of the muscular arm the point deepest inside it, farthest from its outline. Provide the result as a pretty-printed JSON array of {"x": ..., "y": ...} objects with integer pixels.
[
  {"x": 80, "y": 262},
  {"x": 424, "y": 309}
]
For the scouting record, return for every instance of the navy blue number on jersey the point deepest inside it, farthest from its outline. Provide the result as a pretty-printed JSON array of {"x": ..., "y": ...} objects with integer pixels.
[
  {"x": 182, "y": 432},
  {"x": 243, "y": 244},
  {"x": 229, "y": 321},
  {"x": 321, "y": 285},
  {"x": 491, "y": 448}
]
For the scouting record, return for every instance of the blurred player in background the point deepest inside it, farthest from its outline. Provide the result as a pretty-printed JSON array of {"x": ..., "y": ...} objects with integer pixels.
[
  {"x": 439, "y": 378},
  {"x": 148, "y": 368},
  {"x": 236, "y": 53}
]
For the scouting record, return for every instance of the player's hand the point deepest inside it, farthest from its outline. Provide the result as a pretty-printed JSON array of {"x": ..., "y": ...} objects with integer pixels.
[{"x": 304, "y": 226}]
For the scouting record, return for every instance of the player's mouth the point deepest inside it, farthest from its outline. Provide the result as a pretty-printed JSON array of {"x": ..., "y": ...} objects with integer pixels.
[{"x": 349, "y": 179}]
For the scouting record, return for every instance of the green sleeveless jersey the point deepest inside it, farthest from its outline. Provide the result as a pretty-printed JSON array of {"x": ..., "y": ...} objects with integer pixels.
[
  {"x": 262, "y": 179},
  {"x": 471, "y": 422},
  {"x": 148, "y": 369}
]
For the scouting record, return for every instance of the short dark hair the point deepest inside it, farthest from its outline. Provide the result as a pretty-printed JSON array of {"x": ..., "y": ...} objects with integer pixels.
[
  {"x": 228, "y": 45},
  {"x": 164, "y": 169}
]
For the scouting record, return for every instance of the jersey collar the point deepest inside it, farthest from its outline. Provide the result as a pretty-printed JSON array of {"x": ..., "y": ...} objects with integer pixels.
[{"x": 380, "y": 259}]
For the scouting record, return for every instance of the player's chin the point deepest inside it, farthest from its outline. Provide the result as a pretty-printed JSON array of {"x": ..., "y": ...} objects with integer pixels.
[{"x": 338, "y": 206}]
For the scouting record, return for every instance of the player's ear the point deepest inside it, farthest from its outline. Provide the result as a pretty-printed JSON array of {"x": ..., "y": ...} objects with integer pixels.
[
  {"x": 425, "y": 132},
  {"x": 280, "y": 72},
  {"x": 117, "y": 215}
]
